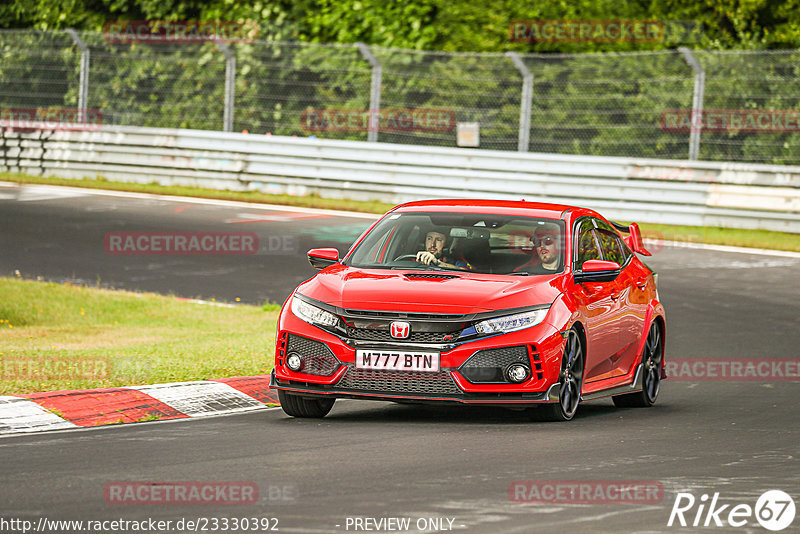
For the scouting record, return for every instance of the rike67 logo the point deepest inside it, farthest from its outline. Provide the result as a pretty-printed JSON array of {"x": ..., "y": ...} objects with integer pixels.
[{"x": 774, "y": 510}]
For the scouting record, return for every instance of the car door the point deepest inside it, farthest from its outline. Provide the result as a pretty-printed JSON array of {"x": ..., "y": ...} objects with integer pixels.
[
  {"x": 596, "y": 300},
  {"x": 628, "y": 312},
  {"x": 634, "y": 297}
]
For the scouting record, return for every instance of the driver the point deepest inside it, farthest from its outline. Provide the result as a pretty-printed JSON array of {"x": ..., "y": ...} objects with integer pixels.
[{"x": 435, "y": 241}]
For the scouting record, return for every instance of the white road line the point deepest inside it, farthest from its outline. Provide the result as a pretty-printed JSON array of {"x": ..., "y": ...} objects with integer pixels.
[
  {"x": 206, "y": 201},
  {"x": 738, "y": 250},
  {"x": 36, "y": 193},
  {"x": 351, "y": 214}
]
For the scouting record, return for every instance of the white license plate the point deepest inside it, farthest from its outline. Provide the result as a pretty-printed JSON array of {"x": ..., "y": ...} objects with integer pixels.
[{"x": 397, "y": 360}]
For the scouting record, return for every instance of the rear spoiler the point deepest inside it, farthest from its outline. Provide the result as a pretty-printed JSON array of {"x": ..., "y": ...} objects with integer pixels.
[{"x": 634, "y": 237}]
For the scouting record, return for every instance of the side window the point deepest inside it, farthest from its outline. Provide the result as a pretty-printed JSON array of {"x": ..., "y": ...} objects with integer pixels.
[
  {"x": 609, "y": 243},
  {"x": 627, "y": 252},
  {"x": 587, "y": 244},
  {"x": 612, "y": 246}
]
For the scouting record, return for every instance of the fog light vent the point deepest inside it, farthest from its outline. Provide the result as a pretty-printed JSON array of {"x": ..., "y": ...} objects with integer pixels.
[
  {"x": 490, "y": 366},
  {"x": 316, "y": 357}
]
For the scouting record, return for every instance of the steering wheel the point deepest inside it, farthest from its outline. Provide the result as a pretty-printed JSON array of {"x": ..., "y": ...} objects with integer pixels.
[{"x": 406, "y": 257}]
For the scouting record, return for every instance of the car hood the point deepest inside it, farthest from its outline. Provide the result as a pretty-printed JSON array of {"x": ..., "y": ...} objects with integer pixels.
[{"x": 454, "y": 292}]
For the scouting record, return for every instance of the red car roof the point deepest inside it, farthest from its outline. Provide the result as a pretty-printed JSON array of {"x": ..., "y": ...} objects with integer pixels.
[{"x": 500, "y": 207}]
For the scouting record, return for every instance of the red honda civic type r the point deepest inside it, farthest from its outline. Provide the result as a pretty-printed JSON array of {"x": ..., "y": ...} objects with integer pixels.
[{"x": 507, "y": 303}]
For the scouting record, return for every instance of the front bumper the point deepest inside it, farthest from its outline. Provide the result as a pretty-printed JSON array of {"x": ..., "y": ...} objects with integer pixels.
[
  {"x": 452, "y": 396},
  {"x": 334, "y": 373}
]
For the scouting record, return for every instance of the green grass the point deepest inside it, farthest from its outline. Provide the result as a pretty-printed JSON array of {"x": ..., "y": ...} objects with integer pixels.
[
  {"x": 723, "y": 236},
  {"x": 62, "y": 336},
  {"x": 693, "y": 234}
]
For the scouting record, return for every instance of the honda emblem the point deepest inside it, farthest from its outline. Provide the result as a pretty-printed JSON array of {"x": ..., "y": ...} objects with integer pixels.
[{"x": 400, "y": 329}]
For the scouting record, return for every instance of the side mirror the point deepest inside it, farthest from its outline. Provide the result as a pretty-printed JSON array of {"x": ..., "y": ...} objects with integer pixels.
[
  {"x": 597, "y": 271},
  {"x": 319, "y": 258}
]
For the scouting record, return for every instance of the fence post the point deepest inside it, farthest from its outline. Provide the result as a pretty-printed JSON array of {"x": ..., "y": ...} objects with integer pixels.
[
  {"x": 83, "y": 77},
  {"x": 230, "y": 86},
  {"x": 374, "y": 93},
  {"x": 525, "y": 104},
  {"x": 697, "y": 102}
]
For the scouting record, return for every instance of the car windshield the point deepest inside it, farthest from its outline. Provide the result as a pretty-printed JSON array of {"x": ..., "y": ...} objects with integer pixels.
[{"x": 483, "y": 243}]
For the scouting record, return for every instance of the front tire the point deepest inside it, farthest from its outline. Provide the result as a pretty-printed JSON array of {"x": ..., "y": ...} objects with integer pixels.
[
  {"x": 571, "y": 378},
  {"x": 651, "y": 361},
  {"x": 308, "y": 407}
]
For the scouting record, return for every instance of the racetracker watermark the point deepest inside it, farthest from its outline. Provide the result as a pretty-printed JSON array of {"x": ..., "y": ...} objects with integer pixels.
[
  {"x": 16, "y": 368},
  {"x": 602, "y": 31},
  {"x": 181, "y": 32},
  {"x": 51, "y": 118},
  {"x": 181, "y": 493},
  {"x": 586, "y": 491},
  {"x": 730, "y": 121},
  {"x": 654, "y": 241},
  {"x": 198, "y": 243},
  {"x": 733, "y": 369},
  {"x": 398, "y": 120},
  {"x": 774, "y": 510}
]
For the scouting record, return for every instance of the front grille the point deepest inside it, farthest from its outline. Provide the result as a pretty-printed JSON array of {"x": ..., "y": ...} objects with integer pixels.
[
  {"x": 399, "y": 382},
  {"x": 488, "y": 365},
  {"x": 377, "y": 334},
  {"x": 317, "y": 357}
]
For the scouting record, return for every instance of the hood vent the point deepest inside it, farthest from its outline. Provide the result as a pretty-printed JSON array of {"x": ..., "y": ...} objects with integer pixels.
[
  {"x": 435, "y": 276},
  {"x": 392, "y": 315}
]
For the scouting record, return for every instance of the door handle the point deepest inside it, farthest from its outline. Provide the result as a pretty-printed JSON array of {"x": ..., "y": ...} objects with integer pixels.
[
  {"x": 615, "y": 296},
  {"x": 641, "y": 282}
]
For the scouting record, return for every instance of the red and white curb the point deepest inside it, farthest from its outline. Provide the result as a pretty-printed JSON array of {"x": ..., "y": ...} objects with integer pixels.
[{"x": 60, "y": 410}]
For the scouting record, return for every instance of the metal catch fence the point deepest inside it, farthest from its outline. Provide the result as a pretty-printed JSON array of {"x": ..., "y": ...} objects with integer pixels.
[{"x": 674, "y": 104}]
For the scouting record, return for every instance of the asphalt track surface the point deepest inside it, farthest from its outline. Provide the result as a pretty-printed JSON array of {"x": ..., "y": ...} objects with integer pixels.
[{"x": 378, "y": 460}]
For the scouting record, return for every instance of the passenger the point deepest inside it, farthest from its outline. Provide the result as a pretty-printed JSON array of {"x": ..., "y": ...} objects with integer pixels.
[
  {"x": 434, "y": 253},
  {"x": 547, "y": 245}
]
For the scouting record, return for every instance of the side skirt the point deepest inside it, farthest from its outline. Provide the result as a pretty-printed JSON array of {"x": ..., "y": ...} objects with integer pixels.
[{"x": 635, "y": 385}]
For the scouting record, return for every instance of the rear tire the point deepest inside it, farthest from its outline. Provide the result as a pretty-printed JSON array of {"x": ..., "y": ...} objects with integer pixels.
[
  {"x": 651, "y": 367},
  {"x": 571, "y": 379},
  {"x": 298, "y": 406}
]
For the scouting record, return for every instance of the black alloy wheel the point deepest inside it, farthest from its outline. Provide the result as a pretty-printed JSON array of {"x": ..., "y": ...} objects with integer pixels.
[{"x": 652, "y": 356}]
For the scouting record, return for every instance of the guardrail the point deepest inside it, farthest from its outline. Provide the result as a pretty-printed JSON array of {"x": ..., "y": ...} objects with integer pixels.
[{"x": 735, "y": 195}]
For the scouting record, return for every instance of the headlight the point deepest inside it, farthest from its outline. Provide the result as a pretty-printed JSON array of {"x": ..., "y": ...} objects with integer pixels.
[
  {"x": 511, "y": 323},
  {"x": 311, "y": 314}
]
